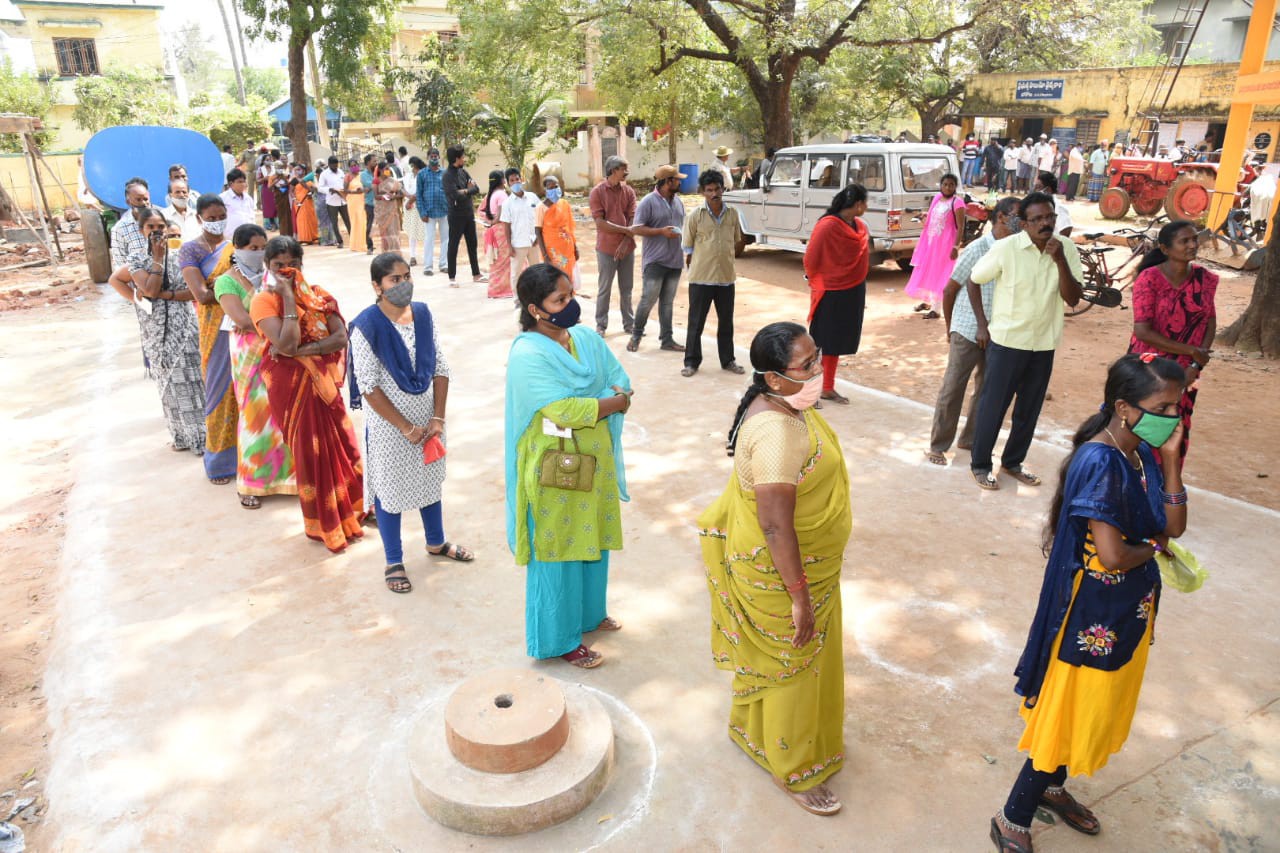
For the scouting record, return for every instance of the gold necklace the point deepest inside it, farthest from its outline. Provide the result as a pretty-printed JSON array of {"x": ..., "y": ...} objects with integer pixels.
[{"x": 1142, "y": 469}]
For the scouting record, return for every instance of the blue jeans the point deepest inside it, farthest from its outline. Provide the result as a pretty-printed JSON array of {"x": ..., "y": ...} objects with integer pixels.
[{"x": 389, "y": 529}]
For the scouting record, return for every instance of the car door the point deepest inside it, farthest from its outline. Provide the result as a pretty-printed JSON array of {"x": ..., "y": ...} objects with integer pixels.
[
  {"x": 921, "y": 181},
  {"x": 824, "y": 174},
  {"x": 783, "y": 198},
  {"x": 869, "y": 171}
]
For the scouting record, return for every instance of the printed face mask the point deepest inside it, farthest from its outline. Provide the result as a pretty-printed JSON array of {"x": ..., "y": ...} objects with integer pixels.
[
  {"x": 217, "y": 228},
  {"x": 567, "y": 317},
  {"x": 400, "y": 294},
  {"x": 1154, "y": 429},
  {"x": 806, "y": 397}
]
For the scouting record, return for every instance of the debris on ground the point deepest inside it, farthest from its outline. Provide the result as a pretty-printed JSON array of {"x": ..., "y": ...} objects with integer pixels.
[{"x": 11, "y": 840}]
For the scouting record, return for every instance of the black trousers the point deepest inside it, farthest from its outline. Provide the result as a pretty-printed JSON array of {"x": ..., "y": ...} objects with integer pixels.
[
  {"x": 1027, "y": 791},
  {"x": 460, "y": 226},
  {"x": 336, "y": 213},
  {"x": 1073, "y": 186},
  {"x": 701, "y": 298},
  {"x": 368, "y": 227},
  {"x": 1010, "y": 372}
]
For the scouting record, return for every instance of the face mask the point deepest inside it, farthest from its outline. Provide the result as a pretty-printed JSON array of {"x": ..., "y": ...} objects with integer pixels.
[
  {"x": 215, "y": 228},
  {"x": 1015, "y": 224},
  {"x": 806, "y": 396},
  {"x": 179, "y": 203},
  {"x": 517, "y": 188},
  {"x": 250, "y": 259},
  {"x": 138, "y": 208},
  {"x": 400, "y": 294},
  {"x": 433, "y": 162},
  {"x": 566, "y": 317},
  {"x": 1154, "y": 429},
  {"x": 553, "y": 194}
]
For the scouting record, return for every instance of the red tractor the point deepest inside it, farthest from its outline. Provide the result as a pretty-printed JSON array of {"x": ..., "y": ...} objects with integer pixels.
[{"x": 1148, "y": 184}]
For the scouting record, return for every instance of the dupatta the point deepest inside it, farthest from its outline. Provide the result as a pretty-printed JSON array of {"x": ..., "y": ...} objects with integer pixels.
[
  {"x": 410, "y": 377},
  {"x": 836, "y": 257}
]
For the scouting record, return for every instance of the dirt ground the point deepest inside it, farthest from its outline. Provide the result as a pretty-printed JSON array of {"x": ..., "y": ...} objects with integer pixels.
[{"x": 1233, "y": 448}]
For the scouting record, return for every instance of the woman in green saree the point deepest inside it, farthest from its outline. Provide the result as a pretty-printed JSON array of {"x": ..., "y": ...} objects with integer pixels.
[{"x": 773, "y": 544}]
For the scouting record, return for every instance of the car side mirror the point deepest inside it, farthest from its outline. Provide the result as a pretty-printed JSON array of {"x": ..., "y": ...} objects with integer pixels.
[{"x": 764, "y": 183}]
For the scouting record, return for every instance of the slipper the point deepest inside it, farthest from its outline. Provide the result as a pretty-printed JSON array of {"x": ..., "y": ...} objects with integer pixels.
[
  {"x": 733, "y": 367},
  {"x": 250, "y": 502},
  {"x": 608, "y": 623},
  {"x": 835, "y": 397},
  {"x": 923, "y": 306},
  {"x": 1073, "y": 814},
  {"x": 930, "y": 315},
  {"x": 688, "y": 371},
  {"x": 935, "y": 458},
  {"x": 1004, "y": 843},
  {"x": 458, "y": 553},
  {"x": 220, "y": 481},
  {"x": 583, "y": 658},
  {"x": 798, "y": 798},
  {"x": 986, "y": 481},
  {"x": 1023, "y": 476},
  {"x": 633, "y": 345},
  {"x": 396, "y": 579}
]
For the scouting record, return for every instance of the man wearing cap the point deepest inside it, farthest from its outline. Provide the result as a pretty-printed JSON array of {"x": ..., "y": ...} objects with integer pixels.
[
  {"x": 721, "y": 165},
  {"x": 660, "y": 221},
  {"x": 613, "y": 207}
]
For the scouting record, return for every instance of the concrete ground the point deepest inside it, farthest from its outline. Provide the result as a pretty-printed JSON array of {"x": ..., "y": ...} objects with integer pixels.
[{"x": 219, "y": 682}]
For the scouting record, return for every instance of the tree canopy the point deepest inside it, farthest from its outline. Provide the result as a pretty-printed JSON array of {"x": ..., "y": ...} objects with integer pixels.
[
  {"x": 24, "y": 94},
  {"x": 123, "y": 95}
]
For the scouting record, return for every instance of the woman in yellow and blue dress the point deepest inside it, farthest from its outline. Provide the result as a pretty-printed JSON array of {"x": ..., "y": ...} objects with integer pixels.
[
  {"x": 562, "y": 377},
  {"x": 1086, "y": 653}
]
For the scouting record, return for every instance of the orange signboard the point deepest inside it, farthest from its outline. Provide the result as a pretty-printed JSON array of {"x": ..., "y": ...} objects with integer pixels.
[{"x": 1258, "y": 88}]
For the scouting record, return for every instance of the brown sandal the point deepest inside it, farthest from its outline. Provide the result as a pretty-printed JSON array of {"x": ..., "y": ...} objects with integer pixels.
[
  {"x": 935, "y": 458},
  {"x": 583, "y": 658},
  {"x": 986, "y": 481},
  {"x": 1004, "y": 843},
  {"x": 1073, "y": 814},
  {"x": 250, "y": 502},
  {"x": 1023, "y": 476}
]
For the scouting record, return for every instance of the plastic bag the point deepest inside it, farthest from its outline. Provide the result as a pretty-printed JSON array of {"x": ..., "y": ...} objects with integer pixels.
[{"x": 1180, "y": 569}]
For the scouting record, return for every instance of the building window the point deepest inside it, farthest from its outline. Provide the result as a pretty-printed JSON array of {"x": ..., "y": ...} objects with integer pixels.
[
  {"x": 446, "y": 36},
  {"x": 1087, "y": 131},
  {"x": 76, "y": 57}
]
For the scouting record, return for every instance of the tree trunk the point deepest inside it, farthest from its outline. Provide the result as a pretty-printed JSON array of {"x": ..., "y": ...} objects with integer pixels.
[
  {"x": 322, "y": 118},
  {"x": 244, "y": 54},
  {"x": 231, "y": 45},
  {"x": 296, "y": 129},
  {"x": 1258, "y": 328},
  {"x": 673, "y": 138},
  {"x": 774, "y": 98}
]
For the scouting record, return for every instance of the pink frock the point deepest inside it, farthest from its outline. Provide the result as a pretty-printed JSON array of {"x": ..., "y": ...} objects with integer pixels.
[{"x": 932, "y": 262}]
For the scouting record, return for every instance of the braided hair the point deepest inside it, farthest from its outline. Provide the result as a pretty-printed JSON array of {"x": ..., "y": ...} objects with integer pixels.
[{"x": 770, "y": 352}]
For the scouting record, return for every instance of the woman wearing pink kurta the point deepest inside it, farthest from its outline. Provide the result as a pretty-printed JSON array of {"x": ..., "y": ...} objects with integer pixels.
[{"x": 935, "y": 254}]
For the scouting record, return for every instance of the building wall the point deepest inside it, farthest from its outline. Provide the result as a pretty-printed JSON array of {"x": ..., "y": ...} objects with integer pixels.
[
  {"x": 125, "y": 35},
  {"x": 17, "y": 180},
  {"x": 1114, "y": 97},
  {"x": 1220, "y": 37}
]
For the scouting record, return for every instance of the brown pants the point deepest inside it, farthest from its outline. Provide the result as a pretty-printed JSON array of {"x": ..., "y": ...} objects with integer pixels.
[{"x": 963, "y": 360}]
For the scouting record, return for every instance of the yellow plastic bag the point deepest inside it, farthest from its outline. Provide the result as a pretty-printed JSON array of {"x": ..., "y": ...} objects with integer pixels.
[{"x": 1180, "y": 569}]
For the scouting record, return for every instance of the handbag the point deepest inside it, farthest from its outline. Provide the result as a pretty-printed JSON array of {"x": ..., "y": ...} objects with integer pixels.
[{"x": 560, "y": 469}]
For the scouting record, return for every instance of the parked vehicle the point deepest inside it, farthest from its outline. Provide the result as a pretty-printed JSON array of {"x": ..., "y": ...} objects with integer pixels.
[{"x": 901, "y": 179}]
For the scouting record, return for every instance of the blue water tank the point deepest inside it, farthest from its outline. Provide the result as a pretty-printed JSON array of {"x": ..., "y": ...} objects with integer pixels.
[{"x": 689, "y": 185}]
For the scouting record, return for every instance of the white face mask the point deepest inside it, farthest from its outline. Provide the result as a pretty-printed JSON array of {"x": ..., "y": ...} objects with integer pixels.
[
  {"x": 216, "y": 228},
  {"x": 806, "y": 397}
]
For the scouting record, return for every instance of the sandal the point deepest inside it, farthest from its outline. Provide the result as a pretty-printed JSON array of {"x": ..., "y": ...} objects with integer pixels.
[
  {"x": 396, "y": 579},
  {"x": 1073, "y": 814},
  {"x": 1023, "y": 476},
  {"x": 451, "y": 551},
  {"x": 1004, "y": 843},
  {"x": 633, "y": 345},
  {"x": 798, "y": 798},
  {"x": 220, "y": 481},
  {"x": 608, "y": 623},
  {"x": 583, "y": 658},
  {"x": 935, "y": 458},
  {"x": 923, "y": 306},
  {"x": 986, "y": 481},
  {"x": 250, "y": 502},
  {"x": 835, "y": 397},
  {"x": 930, "y": 315}
]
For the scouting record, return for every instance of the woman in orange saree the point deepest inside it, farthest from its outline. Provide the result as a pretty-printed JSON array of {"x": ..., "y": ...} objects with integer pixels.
[
  {"x": 553, "y": 223},
  {"x": 305, "y": 225},
  {"x": 303, "y": 371}
]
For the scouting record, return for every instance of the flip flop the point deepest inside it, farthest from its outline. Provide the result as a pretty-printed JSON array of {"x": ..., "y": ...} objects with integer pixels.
[
  {"x": 583, "y": 658},
  {"x": 986, "y": 481},
  {"x": 798, "y": 799},
  {"x": 1023, "y": 476},
  {"x": 1072, "y": 813},
  {"x": 220, "y": 481},
  {"x": 459, "y": 553},
  {"x": 930, "y": 315},
  {"x": 935, "y": 458},
  {"x": 835, "y": 397},
  {"x": 608, "y": 623},
  {"x": 250, "y": 502}
]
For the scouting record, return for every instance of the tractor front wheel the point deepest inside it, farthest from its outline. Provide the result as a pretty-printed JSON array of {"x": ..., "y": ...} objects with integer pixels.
[{"x": 1114, "y": 203}]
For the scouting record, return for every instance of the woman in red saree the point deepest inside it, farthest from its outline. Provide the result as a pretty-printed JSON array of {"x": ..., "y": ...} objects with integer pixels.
[
  {"x": 304, "y": 369},
  {"x": 836, "y": 263}
]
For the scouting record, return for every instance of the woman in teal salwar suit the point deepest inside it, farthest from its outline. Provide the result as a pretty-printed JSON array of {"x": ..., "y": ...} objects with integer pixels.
[{"x": 561, "y": 377}]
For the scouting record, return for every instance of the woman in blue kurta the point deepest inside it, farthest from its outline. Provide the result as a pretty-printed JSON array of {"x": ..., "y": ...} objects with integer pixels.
[
  {"x": 1086, "y": 653},
  {"x": 561, "y": 376}
]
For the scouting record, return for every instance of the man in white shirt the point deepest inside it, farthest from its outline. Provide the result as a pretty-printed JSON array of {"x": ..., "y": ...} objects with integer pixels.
[
  {"x": 332, "y": 185},
  {"x": 721, "y": 165},
  {"x": 181, "y": 212},
  {"x": 517, "y": 219},
  {"x": 1047, "y": 182},
  {"x": 228, "y": 160},
  {"x": 1010, "y": 176},
  {"x": 402, "y": 162},
  {"x": 1075, "y": 171},
  {"x": 240, "y": 206}
]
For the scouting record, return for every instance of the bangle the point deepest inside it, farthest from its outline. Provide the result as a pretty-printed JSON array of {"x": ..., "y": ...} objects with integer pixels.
[
  {"x": 1174, "y": 498},
  {"x": 1197, "y": 365},
  {"x": 1155, "y": 545},
  {"x": 434, "y": 418},
  {"x": 798, "y": 585},
  {"x": 409, "y": 432},
  {"x": 289, "y": 317}
]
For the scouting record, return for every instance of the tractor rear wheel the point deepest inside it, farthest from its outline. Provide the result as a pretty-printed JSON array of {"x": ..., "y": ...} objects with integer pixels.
[
  {"x": 1114, "y": 203},
  {"x": 96, "y": 250},
  {"x": 1187, "y": 199},
  {"x": 1147, "y": 206}
]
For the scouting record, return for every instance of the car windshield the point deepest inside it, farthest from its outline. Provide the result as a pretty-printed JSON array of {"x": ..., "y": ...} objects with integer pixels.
[{"x": 923, "y": 173}]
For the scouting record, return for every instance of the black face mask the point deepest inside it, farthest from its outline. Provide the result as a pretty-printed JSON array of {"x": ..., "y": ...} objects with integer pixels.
[{"x": 567, "y": 317}]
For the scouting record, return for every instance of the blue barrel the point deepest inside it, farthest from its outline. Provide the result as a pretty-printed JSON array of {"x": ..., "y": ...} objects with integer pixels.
[{"x": 689, "y": 185}]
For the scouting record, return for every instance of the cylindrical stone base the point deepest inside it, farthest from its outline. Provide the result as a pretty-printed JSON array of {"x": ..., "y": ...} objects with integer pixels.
[{"x": 506, "y": 720}]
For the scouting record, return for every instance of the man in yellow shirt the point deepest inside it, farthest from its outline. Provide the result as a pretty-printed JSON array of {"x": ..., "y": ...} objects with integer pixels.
[
  {"x": 1034, "y": 273},
  {"x": 712, "y": 236}
]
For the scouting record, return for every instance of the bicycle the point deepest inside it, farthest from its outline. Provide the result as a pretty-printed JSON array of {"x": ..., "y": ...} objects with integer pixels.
[{"x": 1103, "y": 285}]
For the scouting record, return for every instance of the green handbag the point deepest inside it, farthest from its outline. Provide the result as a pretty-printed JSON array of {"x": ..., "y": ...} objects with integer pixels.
[{"x": 560, "y": 469}]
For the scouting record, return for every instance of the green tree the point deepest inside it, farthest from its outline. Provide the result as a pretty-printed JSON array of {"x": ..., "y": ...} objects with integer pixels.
[
  {"x": 23, "y": 94},
  {"x": 434, "y": 83},
  {"x": 226, "y": 122},
  {"x": 124, "y": 96},
  {"x": 269, "y": 84},
  {"x": 516, "y": 109},
  {"x": 199, "y": 64},
  {"x": 343, "y": 30}
]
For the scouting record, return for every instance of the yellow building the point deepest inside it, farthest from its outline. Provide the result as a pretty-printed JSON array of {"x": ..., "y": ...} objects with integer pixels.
[
  {"x": 77, "y": 39},
  {"x": 1104, "y": 103}
]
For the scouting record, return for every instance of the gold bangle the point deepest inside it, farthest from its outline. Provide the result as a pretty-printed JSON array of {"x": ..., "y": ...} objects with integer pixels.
[{"x": 289, "y": 316}]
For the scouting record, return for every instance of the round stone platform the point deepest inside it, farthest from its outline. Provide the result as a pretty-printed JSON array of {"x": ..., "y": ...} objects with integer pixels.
[
  {"x": 506, "y": 721},
  {"x": 483, "y": 803}
]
